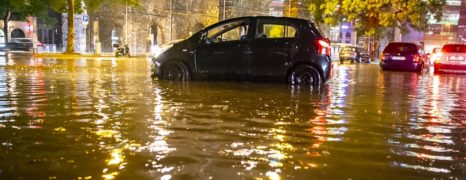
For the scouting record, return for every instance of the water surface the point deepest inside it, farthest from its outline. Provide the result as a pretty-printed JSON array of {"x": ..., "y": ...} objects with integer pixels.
[{"x": 107, "y": 119}]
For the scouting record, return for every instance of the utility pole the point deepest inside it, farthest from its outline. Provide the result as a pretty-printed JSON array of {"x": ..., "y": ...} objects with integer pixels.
[
  {"x": 224, "y": 8},
  {"x": 171, "y": 20},
  {"x": 126, "y": 22},
  {"x": 289, "y": 8}
]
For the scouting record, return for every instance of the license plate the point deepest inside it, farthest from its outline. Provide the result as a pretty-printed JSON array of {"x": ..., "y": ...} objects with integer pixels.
[
  {"x": 398, "y": 58},
  {"x": 456, "y": 58}
]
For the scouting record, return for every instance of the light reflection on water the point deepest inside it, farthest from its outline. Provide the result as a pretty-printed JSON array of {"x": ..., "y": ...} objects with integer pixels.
[{"x": 107, "y": 119}]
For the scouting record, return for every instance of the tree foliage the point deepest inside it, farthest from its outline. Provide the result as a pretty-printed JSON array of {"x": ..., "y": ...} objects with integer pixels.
[{"x": 371, "y": 17}]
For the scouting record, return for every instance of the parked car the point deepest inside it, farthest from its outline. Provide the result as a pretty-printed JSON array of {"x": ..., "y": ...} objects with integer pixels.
[
  {"x": 434, "y": 55},
  {"x": 2, "y": 49},
  {"x": 21, "y": 44},
  {"x": 250, "y": 48},
  {"x": 452, "y": 59},
  {"x": 354, "y": 53},
  {"x": 403, "y": 56}
]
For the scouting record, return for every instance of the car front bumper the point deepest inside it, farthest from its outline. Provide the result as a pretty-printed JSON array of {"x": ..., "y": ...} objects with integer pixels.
[{"x": 155, "y": 67}]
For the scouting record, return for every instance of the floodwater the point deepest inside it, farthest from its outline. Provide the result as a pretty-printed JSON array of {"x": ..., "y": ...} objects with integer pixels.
[{"x": 107, "y": 119}]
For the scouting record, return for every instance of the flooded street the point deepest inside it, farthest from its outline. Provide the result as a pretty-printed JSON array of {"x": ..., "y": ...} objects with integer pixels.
[{"x": 108, "y": 119}]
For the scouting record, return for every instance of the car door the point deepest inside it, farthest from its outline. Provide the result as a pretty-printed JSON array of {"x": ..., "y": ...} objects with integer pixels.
[
  {"x": 223, "y": 50},
  {"x": 274, "y": 46}
]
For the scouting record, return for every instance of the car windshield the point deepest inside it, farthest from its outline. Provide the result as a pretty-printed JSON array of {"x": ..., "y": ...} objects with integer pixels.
[
  {"x": 400, "y": 48},
  {"x": 22, "y": 40},
  {"x": 454, "y": 48}
]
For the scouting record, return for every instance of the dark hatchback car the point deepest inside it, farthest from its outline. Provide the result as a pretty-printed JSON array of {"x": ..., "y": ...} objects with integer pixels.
[
  {"x": 21, "y": 44},
  {"x": 250, "y": 48},
  {"x": 354, "y": 54},
  {"x": 403, "y": 56}
]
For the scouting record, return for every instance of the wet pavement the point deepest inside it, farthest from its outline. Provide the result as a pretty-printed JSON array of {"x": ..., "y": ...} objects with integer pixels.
[{"x": 107, "y": 119}]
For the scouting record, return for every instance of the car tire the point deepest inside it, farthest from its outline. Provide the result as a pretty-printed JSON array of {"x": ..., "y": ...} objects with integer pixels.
[
  {"x": 304, "y": 75},
  {"x": 420, "y": 68},
  {"x": 175, "y": 71}
]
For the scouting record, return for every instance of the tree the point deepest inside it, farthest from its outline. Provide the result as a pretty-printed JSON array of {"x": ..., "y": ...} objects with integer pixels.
[
  {"x": 21, "y": 8},
  {"x": 371, "y": 18},
  {"x": 374, "y": 18},
  {"x": 72, "y": 6}
]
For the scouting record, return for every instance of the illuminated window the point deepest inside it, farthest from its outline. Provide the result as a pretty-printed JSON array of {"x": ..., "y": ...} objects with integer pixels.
[{"x": 275, "y": 30}]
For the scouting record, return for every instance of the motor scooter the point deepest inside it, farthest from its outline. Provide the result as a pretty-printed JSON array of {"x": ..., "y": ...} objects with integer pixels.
[{"x": 121, "y": 51}]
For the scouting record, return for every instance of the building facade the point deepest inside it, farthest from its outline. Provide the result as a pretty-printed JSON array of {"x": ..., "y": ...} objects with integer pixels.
[
  {"x": 159, "y": 22},
  {"x": 446, "y": 30}
]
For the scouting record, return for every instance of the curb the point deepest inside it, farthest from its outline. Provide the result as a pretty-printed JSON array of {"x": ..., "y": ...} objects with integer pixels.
[{"x": 61, "y": 55}]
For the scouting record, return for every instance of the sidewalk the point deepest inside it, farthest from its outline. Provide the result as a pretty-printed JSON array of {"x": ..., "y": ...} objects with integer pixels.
[{"x": 85, "y": 55}]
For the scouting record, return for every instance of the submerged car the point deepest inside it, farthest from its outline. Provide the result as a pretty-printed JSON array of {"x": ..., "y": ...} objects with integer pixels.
[
  {"x": 2, "y": 49},
  {"x": 452, "y": 59},
  {"x": 21, "y": 44},
  {"x": 403, "y": 56},
  {"x": 250, "y": 48},
  {"x": 354, "y": 53}
]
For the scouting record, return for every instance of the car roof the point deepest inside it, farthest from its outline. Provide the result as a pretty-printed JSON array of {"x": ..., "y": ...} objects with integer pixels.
[
  {"x": 260, "y": 17},
  {"x": 395, "y": 42},
  {"x": 455, "y": 44},
  {"x": 268, "y": 17}
]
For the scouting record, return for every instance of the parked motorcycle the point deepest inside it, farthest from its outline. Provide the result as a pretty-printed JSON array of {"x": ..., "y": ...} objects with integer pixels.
[{"x": 121, "y": 51}]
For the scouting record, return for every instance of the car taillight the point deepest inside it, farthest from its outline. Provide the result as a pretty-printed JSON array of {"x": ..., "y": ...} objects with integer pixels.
[
  {"x": 416, "y": 58},
  {"x": 323, "y": 46},
  {"x": 382, "y": 57}
]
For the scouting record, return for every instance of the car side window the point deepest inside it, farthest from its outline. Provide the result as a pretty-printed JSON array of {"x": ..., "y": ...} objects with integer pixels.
[
  {"x": 274, "y": 30},
  {"x": 234, "y": 31}
]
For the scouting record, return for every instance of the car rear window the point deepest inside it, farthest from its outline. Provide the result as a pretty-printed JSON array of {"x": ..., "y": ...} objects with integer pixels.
[
  {"x": 400, "y": 48},
  {"x": 454, "y": 48}
]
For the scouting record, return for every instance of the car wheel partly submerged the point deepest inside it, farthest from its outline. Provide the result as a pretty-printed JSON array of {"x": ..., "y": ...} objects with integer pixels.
[
  {"x": 420, "y": 68},
  {"x": 175, "y": 71},
  {"x": 304, "y": 75}
]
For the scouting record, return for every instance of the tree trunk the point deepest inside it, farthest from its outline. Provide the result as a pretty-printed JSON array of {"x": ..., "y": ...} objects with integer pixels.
[
  {"x": 70, "y": 41},
  {"x": 6, "y": 18}
]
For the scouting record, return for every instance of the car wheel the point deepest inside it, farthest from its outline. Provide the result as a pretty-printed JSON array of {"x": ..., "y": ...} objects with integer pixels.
[
  {"x": 304, "y": 75},
  {"x": 420, "y": 68},
  {"x": 176, "y": 71}
]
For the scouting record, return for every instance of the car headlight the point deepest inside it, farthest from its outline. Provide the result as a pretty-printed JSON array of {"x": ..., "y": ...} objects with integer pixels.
[{"x": 157, "y": 51}]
